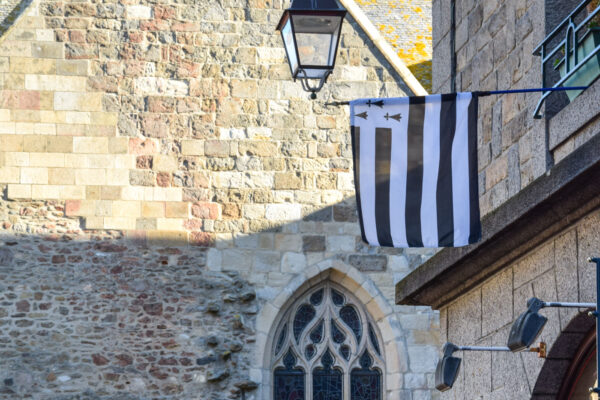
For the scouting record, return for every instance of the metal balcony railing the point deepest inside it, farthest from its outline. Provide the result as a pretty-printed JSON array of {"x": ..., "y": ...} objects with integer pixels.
[{"x": 568, "y": 53}]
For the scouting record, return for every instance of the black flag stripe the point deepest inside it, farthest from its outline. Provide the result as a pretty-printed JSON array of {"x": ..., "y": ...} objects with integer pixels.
[
  {"x": 383, "y": 152},
  {"x": 414, "y": 181},
  {"x": 444, "y": 188},
  {"x": 355, "y": 137},
  {"x": 475, "y": 230}
]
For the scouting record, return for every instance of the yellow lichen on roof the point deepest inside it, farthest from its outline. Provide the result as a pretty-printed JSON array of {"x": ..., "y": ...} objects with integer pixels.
[{"x": 406, "y": 25}]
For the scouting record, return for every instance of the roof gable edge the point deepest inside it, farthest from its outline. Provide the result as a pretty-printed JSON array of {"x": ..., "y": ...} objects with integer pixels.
[{"x": 385, "y": 48}]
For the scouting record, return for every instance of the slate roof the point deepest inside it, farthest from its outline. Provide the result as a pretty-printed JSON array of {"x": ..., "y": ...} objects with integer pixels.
[
  {"x": 406, "y": 25},
  {"x": 10, "y": 11}
]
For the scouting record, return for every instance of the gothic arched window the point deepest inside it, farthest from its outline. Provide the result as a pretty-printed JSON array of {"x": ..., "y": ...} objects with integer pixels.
[{"x": 326, "y": 347}]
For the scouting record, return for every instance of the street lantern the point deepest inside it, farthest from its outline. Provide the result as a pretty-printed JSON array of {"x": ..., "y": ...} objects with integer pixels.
[{"x": 311, "y": 31}]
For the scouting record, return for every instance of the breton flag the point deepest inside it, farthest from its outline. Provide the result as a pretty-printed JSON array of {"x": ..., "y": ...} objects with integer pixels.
[{"x": 415, "y": 166}]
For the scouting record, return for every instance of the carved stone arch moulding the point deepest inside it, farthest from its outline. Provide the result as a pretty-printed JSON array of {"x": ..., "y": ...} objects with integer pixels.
[{"x": 370, "y": 304}]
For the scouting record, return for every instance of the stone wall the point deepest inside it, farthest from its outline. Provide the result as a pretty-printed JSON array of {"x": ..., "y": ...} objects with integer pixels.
[
  {"x": 494, "y": 45},
  {"x": 157, "y": 167},
  {"x": 99, "y": 314},
  {"x": 557, "y": 270}
]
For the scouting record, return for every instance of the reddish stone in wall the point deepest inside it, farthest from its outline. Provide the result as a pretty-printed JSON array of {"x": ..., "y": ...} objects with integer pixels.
[
  {"x": 205, "y": 210},
  {"x": 163, "y": 179},
  {"x": 202, "y": 239},
  {"x": 72, "y": 207},
  {"x": 23, "y": 306},
  {"x": 153, "y": 308},
  {"x": 141, "y": 146},
  {"x": 99, "y": 359},
  {"x": 156, "y": 126}
]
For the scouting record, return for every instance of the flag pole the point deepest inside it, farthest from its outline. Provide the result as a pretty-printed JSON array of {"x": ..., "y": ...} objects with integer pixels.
[{"x": 494, "y": 92}]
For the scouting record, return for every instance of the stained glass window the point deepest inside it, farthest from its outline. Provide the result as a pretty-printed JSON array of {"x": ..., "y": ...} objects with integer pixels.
[
  {"x": 351, "y": 318},
  {"x": 337, "y": 297},
  {"x": 289, "y": 381},
  {"x": 365, "y": 383},
  {"x": 336, "y": 333},
  {"x": 373, "y": 339},
  {"x": 317, "y": 297},
  {"x": 327, "y": 348},
  {"x": 327, "y": 381},
  {"x": 310, "y": 351},
  {"x": 345, "y": 352},
  {"x": 304, "y": 315},
  {"x": 316, "y": 335},
  {"x": 281, "y": 339}
]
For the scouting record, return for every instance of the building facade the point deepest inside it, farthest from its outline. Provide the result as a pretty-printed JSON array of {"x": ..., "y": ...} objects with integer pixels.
[
  {"x": 173, "y": 205},
  {"x": 538, "y": 186}
]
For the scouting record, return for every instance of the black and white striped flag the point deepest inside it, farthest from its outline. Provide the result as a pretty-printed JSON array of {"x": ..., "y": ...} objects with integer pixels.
[{"x": 415, "y": 166}]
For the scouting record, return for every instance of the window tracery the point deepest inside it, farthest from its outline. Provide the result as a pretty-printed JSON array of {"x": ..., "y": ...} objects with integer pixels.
[{"x": 327, "y": 348}]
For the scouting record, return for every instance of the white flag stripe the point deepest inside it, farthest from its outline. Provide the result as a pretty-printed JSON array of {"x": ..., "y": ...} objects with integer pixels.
[
  {"x": 460, "y": 172},
  {"x": 398, "y": 166},
  {"x": 367, "y": 183},
  {"x": 431, "y": 163}
]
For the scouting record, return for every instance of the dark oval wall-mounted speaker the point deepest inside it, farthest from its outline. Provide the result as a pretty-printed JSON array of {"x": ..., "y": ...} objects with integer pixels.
[
  {"x": 525, "y": 330},
  {"x": 446, "y": 373}
]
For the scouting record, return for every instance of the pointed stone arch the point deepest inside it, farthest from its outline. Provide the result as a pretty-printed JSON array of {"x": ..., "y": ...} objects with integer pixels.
[{"x": 351, "y": 280}]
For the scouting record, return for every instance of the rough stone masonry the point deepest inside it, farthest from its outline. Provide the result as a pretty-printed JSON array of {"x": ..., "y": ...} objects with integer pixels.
[{"x": 166, "y": 189}]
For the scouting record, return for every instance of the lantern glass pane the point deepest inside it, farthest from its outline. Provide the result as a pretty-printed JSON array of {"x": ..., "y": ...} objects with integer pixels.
[
  {"x": 290, "y": 48},
  {"x": 316, "y": 36},
  {"x": 314, "y": 48},
  {"x": 312, "y": 73}
]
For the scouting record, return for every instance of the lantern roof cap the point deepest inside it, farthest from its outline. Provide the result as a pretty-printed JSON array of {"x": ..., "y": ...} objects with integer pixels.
[
  {"x": 321, "y": 5},
  {"x": 301, "y": 6}
]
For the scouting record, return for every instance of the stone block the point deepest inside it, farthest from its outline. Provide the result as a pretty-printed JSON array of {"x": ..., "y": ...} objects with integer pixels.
[
  {"x": 497, "y": 302},
  {"x": 177, "y": 210},
  {"x": 47, "y": 50},
  {"x": 9, "y": 174},
  {"x": 34, "y": 175},
  {"x": 90, "y": 176},
  {"x": 16, "y": 159},
  {"x": 164, "y": 163},
  {"x": 313, "y": 243},
  {"x": 34, "y": 143},
  {"x": 61, "y": 176},
  {"x": 72, "y": 67},
  {"x": 464, "y": 318},
  {"x": 368, "y": 262},
  {"x": 283, "y": 212},
  {"x": 565, "y": 259},
  {"x": 139, "y": 12},
  {"x": 588, "y": 232},
  {"x": 154, "y": 209},
  {"x": 496, "y": 172},
  {"x": 534, "y": 264},
  {"x": 46, "y": 160},
  {"x": 293, "y": 263},
  {"x": 19, "y": 191},
  {"x": 127, "y": 209},
  {"x": 192, "y": 147},
  {"x": 244, "y": 88},
  {"x": 90, "y": 145},
  {"x": 22, "y": 65},
  {"x": 119, "y": 223}
]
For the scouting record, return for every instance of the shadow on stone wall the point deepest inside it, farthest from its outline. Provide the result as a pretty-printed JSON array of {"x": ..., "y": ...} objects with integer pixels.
[{"x": 99, "y": 315}]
